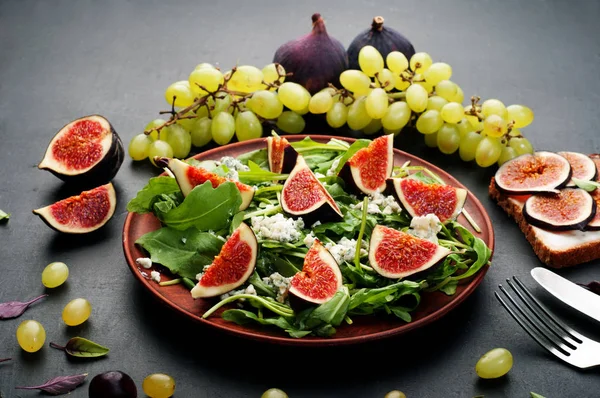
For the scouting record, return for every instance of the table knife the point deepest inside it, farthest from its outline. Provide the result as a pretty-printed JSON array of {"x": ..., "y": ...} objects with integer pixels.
[{"x": 568, "y": 292}]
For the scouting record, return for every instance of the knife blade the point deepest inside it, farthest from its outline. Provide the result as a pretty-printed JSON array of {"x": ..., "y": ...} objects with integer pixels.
[{"x": 568, "y": 292}]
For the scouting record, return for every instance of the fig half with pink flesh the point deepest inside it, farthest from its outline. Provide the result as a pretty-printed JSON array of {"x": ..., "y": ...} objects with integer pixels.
[
  {"x": 395, "y": 254},
  {"x": 282, "y": 156},
  {"x": 232, "y": 267},
  {"x": 188, "y": 177},
  {"x": 320, "y": 277},
  {"x": 583, "y": 167},
  {"x": 569, "y": 208},
  {"x": 81, "y": 213}
]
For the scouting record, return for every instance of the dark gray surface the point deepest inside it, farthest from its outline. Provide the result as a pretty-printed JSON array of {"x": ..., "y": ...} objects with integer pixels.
[{"x": 63, "y": 59}]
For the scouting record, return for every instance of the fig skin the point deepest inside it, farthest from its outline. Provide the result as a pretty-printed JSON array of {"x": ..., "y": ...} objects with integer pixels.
[
  {"x": 314, "y": 59},
  {"x": 114, "y": 384},
  {"x": 548, "y": 225}
]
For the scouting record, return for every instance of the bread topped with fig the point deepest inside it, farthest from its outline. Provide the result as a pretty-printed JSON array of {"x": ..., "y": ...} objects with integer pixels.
[{"x": 555, "y": 200}]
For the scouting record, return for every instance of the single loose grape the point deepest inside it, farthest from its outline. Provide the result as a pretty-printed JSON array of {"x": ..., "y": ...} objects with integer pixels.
[
  {"x": 321, "y": 102},
  {"x": 159, "y": 385},
  {"x": 377, "y": 103},
  {"x": 291, "y": 122},
  {"x": 522, "y": 115},
  {"x": 293, "y": 96},
  {"x": 488, "y": 151},
  {"x": 55, "y": 274},
  {"x": 336, "y": 116},
  {"x": 247, "y": 126},
  {"x": 494, "y": 363},
  {"x": 370, "y": 60},
  {"x": 274, "y": 393},
  {"x": 420, "y": 62},
  {"x": 429, "y": 122},
  {"x": 396, "y": 62},
  {"x": 416, "y": 98},
  {"x": 452, "y": 112},
  {"x": 76, "y": 312},
  {"x": 200, "y": 132},
  {"x": 159, "y": 148},
  {"x": 31, "y": 335},
  {"x": 395, "y": 394}
]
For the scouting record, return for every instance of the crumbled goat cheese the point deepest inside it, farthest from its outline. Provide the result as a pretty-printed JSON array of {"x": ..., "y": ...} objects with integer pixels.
[
  {"x": 319, "y": 175},
  {"x": 277, "y": 227},
  {"x": 317, "y": 223},
  {"x": 144, "y": 262},
  {"x": 332, "y": 170},
  {"x": 233, "y": 175},
  {"x": 248, "y": 290},
  {"x": 155, "y": 275},
  {"x": 280, "y": 283},
  {"x": 309, "y": 240},
  {"x": 345, "y": 249},
  {"x": 426, "y": 227},
  {"x": 378, "y": 201},
  {"x": 183, "y": 240},
  {"x": 233, "y": 164},
  {"x": 199, "y": 275}
]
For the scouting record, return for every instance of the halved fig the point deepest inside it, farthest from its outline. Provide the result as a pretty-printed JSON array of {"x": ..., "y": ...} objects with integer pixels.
[
  {"x": 596, "y": 158},
  {"x": 395, "y": 254},
  {"x": 368, "y": 169},
  {"x": 420, "y": 199},
  {"x": 81, "y": 213},
  {"x": 320, "y": 277},
  {"x": 569, "y": 208},
  {"x": 282, "y": 156},
  {"x": 304, "y": 195},
  {"x": 188, "y": 177},
  {"x": 594, "y": 223},
  {"x": 532, "y": 173},
  {"x": 87, "y": 150},
  {"x": 582, "y": 167},
  {"x": 232, "y": 267}
]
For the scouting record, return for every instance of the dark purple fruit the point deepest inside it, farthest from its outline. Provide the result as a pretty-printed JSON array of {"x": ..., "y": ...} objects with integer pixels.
[
  {"x": 315, "y": 59},
  {"x": 282, "y": 156},
  {"x": 583, "y": 167},
  {"x": 383, "y": 38},
  {"x": 594, "y": 224},
  {"x": 86, "y": 151},
  {"x": 112, "y": 384},
  {"x": 569, "y": 208}
]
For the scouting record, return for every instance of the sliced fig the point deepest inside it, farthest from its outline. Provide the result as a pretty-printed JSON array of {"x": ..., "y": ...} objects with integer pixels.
[
  {"x": 282, "y": 156},
  {"x": 232, "y": 267},
  {"x": 320, "y": 277},
  {"x": 368, "y": 169},
  {"x": 304, "y": 195},
  {"x": 396, "y": 254},
  {"x": 569, "y": 208},
  {"x": 596, "y": 158},
  {"x": 582, "y": 167},
  {"x": 420, "y": 199},
  {"x": 81, "y": 213},
  {"x": 87, "y": 150},
  {"x": 529, "y": 174},
  {"x": 188, "y": 177},
  {"x": 594, "y": 223}
]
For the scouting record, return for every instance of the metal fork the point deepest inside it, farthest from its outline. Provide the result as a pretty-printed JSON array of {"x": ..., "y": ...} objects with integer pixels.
[{"x": 547, "y": 330}]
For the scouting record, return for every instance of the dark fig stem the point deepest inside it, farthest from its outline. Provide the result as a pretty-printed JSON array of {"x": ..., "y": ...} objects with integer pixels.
[
  {"x": 5, "y": 359},
  {"x": 318, "y": 24},
  {"x": 377, "y": 24},
  {"x": 58, "y": 347}
]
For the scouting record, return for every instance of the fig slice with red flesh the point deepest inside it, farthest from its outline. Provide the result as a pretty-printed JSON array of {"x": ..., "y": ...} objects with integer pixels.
[
  {"x": 81, "y": 213},
  {"x": 282, "y": 156},
  {"x": 320, "y": 277},
  {"x": 395, "y": 254},
  {"x": 569, "y": 208},
  {"x": 530, "y": 174},
  {"x": 232, "y": 267},
  {"x": 188, "y": 177},
  {"x": 594, "y": 224},
  {"x": 420, "y": 199},
  {"x": 304, "y": 195},
  {"x": 368, "y": 169},
  {"x": 583, "y": 167},
  {"x": 86, "y": 151}
]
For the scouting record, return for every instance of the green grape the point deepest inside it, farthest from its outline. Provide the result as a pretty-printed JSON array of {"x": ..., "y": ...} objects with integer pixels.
[
  {"x": 377, "y": 103},
  {"x": 180, "y": 141},
  {"x": 494, "y": 363},
  {"x": 303, "y": 111},
  {"x": 402, "y": 84},
  {"x": 488, "y": 151},
  {"x": 446, "y": 89},
  {"x": 161, "y": 149},
  {"x": 204, "y": 65},
  {"x": 209, "y": 78},
  {"x": 55, "y": 274},
  {"x": 431, "y": 140},
  {"x": 395, "y": 394},
  {"x": 397, "y": 116},
  {"x": 428, "y": 87},
  {"x": 464, "y": 127},
  {"x": 221, "y": 104},
  {"x": 222, "y": 128},
  {"x": 494, "y": 107},
  {"x": 468, "y": 145},
  {"x": 507, "y": 154},
  {"x": 321, "y": 102},
  {"x": 416, "y": 98},
  {"x": 429, "y": 122},
  {"x": 437, "y": 72},
  {"x": 394, "y": 132},
  {"x": 159, "y": 385},
  {"x": 31, "y": 335},
  {"x": 274, "y": 393},
  {"x": 474, "y": 120},
  {"x": 246, "y": 79},
  {"x": 396, "y": 62},
  {"x": 358, "y": 118},
  {"x": 420, "y": 62},
  {"x": 188, "y": 122},
  {"x": 515, "y": 132},
  {"x": 521, "y": 145},
  {"x": 337, "y": 115},
  {"x": 154, "y": 124},
  {"x": 494, "y": 126},
  {"x": 138, "y": 146},
  {"x": 355, "y": 81},
  {"x": 291, "y": 122},
  {"x": 460, "y": 95},
  {"x": 436, "y": 103},
  {"x": 370, "y": 60},
  {"x": 373, "y": 127},
  {"x": 294, "y": 96},
  {"x": 181, "y": 90},
  {"x": 448, "y": 138},
  {"x": 265, "y": 104},
  {"x": 247, "y": 126},
  {"x": 522, "y": 115},
  {"x": 76, "y": 312},
  {"x": 201, "y": 132},
  {"x": 452, "y": 112},
  {"x": 273, "y": 73},
  {"x": 386, "y": 80}
]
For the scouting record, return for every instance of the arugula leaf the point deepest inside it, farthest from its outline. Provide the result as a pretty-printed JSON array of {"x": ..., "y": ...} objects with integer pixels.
[
  {"x": 534, "y": 395},
  {"x": 145, "y": 198},
  {"x": 242, "y": 317},
  {"x": 333, "y": 311},
  {"x": 308, "y": 144},
  {"x": 261, "y": 288},
  {"x": 258, "y": 156},
  {"x": 205, "y": 208},
  {"x": 4, "y": 216},
  {"x": 184, "y": 253},
  {"x": 402, "y": 313},
  {"x": 481, "y": 250},
  {"x": 367, "y": 301},
  {"x": 356, "y": 145},
  {"x": 258, "y": 174},
  {"x": 268, "y": 263},
  {"x": 164, "y": 203},
  {"x": 450, "y": 287}
]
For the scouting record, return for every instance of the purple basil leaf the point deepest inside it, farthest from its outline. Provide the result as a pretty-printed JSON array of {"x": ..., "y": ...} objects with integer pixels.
[
  {"x": 59, "y": 385},
  {"x": 13, "y": 309},
  {"x": 593, "y": 286},
  {"x": 5, "y": 359}
]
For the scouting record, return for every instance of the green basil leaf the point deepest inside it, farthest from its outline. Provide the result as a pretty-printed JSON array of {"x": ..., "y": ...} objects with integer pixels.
[
  {"x": 242, "y": 317},
  {"x": 82, "y": 348},
  {"x": 145, "y": 198},
  {"x": 4, "y": 216},
  {"x": 534, "y": 395}
]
